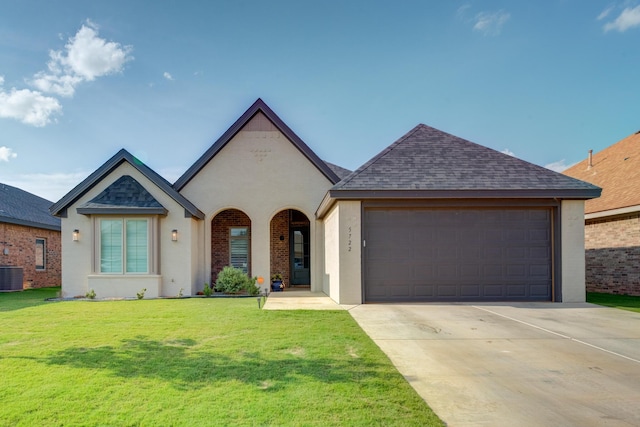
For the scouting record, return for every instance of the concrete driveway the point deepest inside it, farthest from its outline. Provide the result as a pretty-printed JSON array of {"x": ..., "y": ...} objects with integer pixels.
[{"x": 529, "y": 364}]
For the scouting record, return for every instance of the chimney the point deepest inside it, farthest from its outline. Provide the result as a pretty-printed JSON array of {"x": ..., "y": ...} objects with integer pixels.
[{"x": 590, "y": 164}]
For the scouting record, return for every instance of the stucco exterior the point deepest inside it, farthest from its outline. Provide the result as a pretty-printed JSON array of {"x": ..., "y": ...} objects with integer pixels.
[
  {"x": 343, "y": 253},
  {"x": 260, "y": 173},
  {"x": 173, "y": 265},
  {"x": 573, "y": 251}
]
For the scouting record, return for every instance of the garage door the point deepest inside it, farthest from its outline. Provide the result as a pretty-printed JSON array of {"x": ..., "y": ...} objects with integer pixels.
[{"x": 457, "y": 254}]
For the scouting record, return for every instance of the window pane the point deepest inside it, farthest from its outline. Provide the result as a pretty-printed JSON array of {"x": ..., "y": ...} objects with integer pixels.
[
  {"x": 40, "y": 251},
  {"x": 239, "y": 248},
  {"x": 137, "y": 246},
  {"x": 111, "y": 246}
]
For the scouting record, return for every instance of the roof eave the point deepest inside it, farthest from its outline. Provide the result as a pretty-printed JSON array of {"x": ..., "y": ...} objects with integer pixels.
[
  {"x": 122, "y": 210},
  {"x": 613, "y": 212},
  {"x": 578, "y": 194},
  {"x": 34, "y": 224}
]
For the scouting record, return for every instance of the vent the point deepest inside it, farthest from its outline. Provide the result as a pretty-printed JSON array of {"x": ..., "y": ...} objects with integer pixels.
[{"x": 11, "y": 278}]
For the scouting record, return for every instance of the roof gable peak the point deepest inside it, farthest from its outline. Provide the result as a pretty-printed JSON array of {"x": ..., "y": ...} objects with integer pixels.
[{"x": 259, "y": 106}]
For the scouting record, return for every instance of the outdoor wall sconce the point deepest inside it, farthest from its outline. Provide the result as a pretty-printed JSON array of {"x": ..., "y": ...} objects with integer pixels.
[
  {"x": 174, "y": 235},
  {"x": 76, "y": 235}
]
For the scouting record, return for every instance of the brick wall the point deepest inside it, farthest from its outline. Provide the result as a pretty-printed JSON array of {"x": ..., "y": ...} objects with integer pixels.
[
  {"x": 20, "y": 243},
  {"x": 220, "y": 239},
  {"x": 613, "y": 255},
  {"x": 280, "y": 248}
]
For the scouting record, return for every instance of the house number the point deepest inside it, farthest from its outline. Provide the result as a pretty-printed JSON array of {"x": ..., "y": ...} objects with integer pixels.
[{"x": 349, "y": 242}]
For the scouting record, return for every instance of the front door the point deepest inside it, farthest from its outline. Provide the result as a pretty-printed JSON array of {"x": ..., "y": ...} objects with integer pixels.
[{"x": 300, "y": 269}]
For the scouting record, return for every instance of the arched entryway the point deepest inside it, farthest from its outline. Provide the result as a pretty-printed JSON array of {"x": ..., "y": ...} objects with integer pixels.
[
  {"x": 230, "y": 242},
  {"x": 290, "y": 247}
]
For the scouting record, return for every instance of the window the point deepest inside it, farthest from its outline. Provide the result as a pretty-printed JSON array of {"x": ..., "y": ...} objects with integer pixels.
[
  {"x": 124, "y": 243},
  {"x": 239, "y": 248},
  {"x": 41, "y": 254}
]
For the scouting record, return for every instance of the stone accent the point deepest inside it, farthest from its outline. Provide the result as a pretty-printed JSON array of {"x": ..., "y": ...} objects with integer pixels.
[
  {"x": 613, "y": 255},
  {"x": 280, "y": 248},
  {"x": 18, "y": 248},
  {"x": 220, "y": 239}
]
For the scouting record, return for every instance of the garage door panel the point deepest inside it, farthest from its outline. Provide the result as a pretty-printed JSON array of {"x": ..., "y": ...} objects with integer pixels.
[
  {"x": 469, "y": 291},
  {"x": 457, "y": 254}
]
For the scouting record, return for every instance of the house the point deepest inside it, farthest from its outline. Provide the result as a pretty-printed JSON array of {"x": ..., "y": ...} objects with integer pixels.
[
  {"x": 29, "y": 241},
  {"x": 431, "y": 218},
  {"x": 612, "y": 222}
]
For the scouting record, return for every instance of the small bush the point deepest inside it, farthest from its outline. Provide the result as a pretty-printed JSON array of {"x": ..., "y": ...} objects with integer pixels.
[
  {"x": 140, "y": 294},
  {"x": 91, "y": 294},
  {"x": 207, "y": 290},
  {"x": 233, "y": 280}
]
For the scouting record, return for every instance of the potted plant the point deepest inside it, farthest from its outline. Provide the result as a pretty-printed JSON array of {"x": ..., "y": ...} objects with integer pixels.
[{"x": 277, "y": 285}]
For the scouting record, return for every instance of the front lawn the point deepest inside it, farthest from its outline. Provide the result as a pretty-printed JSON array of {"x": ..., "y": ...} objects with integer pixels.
[
  {"x": 625, "y": 302},
  {"x": 192, "y": 362}
]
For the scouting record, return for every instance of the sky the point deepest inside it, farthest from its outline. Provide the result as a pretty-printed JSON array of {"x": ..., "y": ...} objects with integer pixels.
[{"x": 543, "y": 80}]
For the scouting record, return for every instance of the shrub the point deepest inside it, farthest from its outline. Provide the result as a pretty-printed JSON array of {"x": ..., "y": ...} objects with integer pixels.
[
  {"x": 233, "y": 280},
  {"x": 91, "y": 294},
  {"x": 206, "y": 291}
]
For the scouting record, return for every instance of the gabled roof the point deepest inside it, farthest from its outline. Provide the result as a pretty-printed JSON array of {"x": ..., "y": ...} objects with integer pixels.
[
  {"x": 124, "y": 196},
  {"x": 258, "y": 106},
  {"x": 617, "y": 170},
  {"x": 60, "y": 208},
  {"x": 427, "y": 162},
  {"x": 22, "y": 208}
]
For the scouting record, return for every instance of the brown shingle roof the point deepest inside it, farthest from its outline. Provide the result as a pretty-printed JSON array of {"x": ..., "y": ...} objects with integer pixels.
[{"x": 616, "y": 169}]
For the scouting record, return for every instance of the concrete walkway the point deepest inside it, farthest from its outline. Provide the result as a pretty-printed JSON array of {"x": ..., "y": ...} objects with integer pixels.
[{"x": 300, "y": 299}]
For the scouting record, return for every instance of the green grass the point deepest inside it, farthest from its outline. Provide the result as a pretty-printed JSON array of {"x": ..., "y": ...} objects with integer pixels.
[
  {"x": 192, "y": 362},
  {"x": 624, "y": 302}
]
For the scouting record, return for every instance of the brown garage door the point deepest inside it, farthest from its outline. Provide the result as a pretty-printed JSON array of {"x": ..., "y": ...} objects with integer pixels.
[{"x": 457, "y": 254}]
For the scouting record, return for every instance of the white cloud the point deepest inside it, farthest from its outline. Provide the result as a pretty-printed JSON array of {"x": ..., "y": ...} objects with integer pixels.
[
  {"x": 559, "y": 166},
  {"x": 7, "y": 154},
  {"x": 508, "y": 152},
  {"x": 167, "y": 76},
  {"x": 491, "y": 23},
  {"x": 29, "y": 107},
  {"x": 85, "y": 57},
  {"x": 628, "y": 18},
  {"x": 604, "y": 13}
]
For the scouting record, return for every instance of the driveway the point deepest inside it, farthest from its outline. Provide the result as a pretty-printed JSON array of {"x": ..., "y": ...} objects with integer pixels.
[{"x": 528, "y": 364}]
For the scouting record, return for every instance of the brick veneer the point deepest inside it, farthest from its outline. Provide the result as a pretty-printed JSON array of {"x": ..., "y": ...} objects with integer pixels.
[
  {"x": 220, "y": 239},
  {"x": 20, "y": 242},
  {"x": 280, "y": 248},
  {"x": 613, "y": 255}
]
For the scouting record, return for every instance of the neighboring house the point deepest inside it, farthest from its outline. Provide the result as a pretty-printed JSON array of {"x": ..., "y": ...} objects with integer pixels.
[
  {"x": 431, "y": 218},
  {"x": 29, "y": 241},
  {"x": 612, "y": 222}
]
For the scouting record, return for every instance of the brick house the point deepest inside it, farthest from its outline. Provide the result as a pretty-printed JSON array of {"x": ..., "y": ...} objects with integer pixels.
[
  {"x": 433, "y": 217},
  {"x": 29, "y": 241},
  {"x": 612, "y": 222}
]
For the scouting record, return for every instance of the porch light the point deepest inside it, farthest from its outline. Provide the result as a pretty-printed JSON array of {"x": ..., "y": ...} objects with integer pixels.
[
  {"x": 76, "y": 235},
  {"x": 174, "y": 235}
]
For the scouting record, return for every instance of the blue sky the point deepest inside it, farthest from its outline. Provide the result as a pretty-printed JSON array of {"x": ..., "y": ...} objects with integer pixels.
[{"x": 545, "y": 81}]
